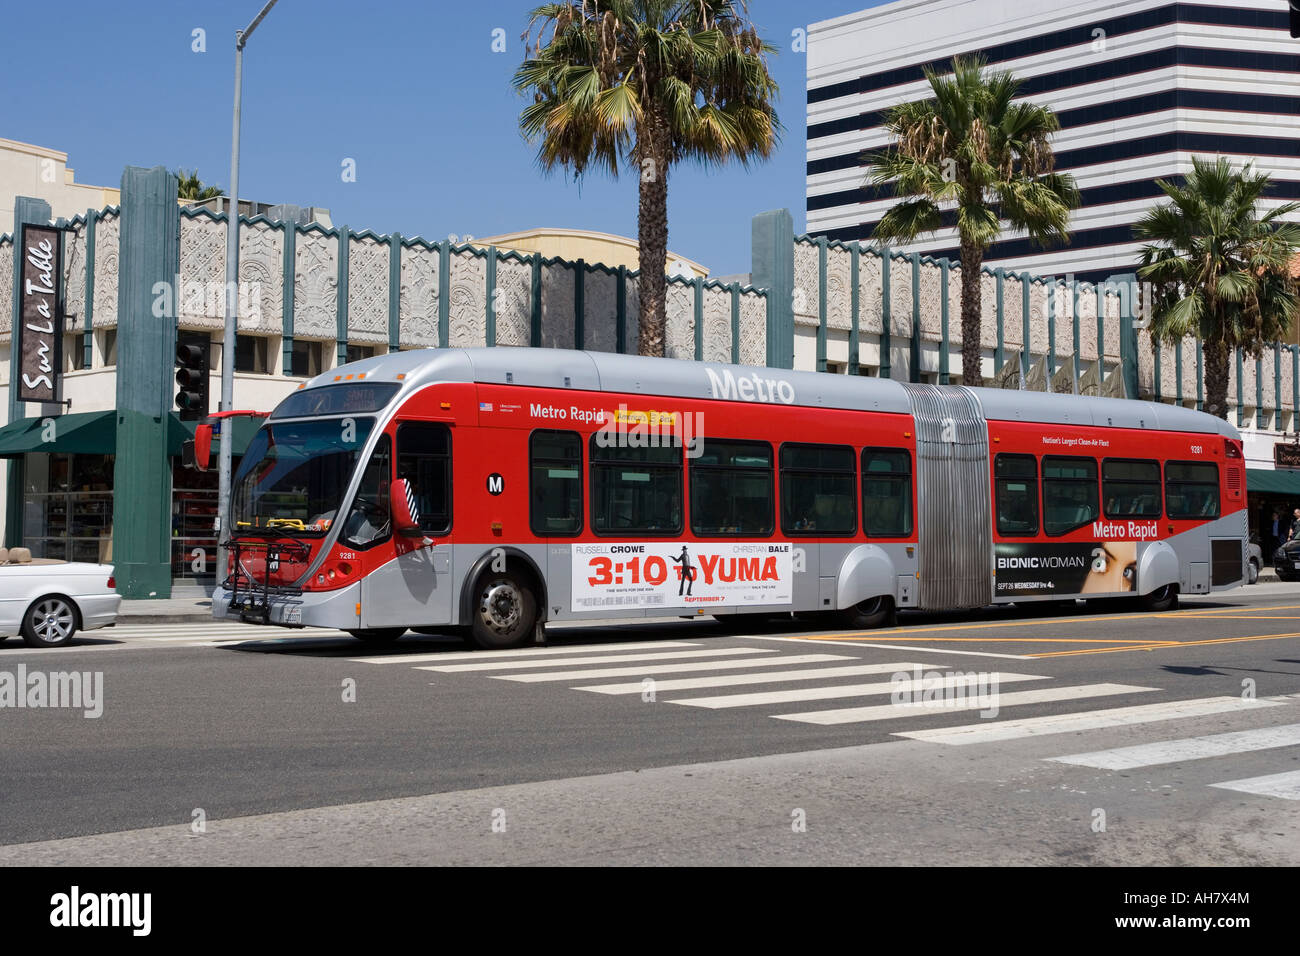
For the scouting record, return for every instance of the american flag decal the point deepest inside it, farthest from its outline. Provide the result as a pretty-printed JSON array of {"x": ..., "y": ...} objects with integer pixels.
[
  {"x": 410, "y": 503},
  {"x": 485, "y": 406}
]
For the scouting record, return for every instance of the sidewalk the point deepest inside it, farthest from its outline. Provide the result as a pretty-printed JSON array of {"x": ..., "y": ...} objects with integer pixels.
[{"x": 178, "y": 610}]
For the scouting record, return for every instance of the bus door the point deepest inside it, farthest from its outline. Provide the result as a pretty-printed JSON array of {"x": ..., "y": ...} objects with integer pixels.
[
  {"x": 414, "y": 589},
  {"x": 954, "y": 520}
]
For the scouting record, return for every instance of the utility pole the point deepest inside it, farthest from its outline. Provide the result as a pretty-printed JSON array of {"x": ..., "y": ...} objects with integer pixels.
[{"x": 232, "y": 301}]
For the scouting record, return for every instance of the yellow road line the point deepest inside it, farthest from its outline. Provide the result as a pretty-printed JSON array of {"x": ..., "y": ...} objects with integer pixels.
[
  {"x": 1002, "y": 640},
  {"x": 989, "y": 625},
  {"x": 1229, "y": 610},
  {"x": 1242, "y": 617},
  {"x": 877, "y": 635},
  {"x": 1166, "y": 645}
]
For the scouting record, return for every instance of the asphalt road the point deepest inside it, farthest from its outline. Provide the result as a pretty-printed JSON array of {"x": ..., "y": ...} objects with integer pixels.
[{"x": 1078, "y": 738}]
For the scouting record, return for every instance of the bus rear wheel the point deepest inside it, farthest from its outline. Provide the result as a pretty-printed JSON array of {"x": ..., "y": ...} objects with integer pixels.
[
  {"x": 378, "y": 635},
  {"x": 1161, "y": 599},
  {"x": 873, "y": 612},
  {"x": 505, "y": 611}
]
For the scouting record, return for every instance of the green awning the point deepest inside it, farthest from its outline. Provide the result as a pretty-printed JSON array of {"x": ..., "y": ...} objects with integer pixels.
[
  {"x": 86, "y": 433},
  {"x": 1282, "y": 481},
  {"x": 95, "y": 433}
]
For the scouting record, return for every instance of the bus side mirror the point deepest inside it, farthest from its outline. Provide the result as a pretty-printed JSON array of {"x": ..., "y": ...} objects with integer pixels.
[
  {"x": 202, "y": 447},
  {"x": 406, "y": 517}
]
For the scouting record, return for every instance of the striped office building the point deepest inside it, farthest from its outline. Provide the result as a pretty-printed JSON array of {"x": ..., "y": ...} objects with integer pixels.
[{"x": 1140, "y": 86}]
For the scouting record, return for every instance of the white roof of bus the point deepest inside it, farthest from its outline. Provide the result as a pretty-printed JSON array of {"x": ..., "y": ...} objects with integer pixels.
[{"x": 607, "y": 371}]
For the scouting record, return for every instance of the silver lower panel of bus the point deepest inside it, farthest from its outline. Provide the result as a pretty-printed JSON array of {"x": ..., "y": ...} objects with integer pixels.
[{"x": 425, "y": 588}]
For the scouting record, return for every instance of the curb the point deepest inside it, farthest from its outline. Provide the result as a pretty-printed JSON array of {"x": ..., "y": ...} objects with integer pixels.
[{"x": 165, "y": 619}]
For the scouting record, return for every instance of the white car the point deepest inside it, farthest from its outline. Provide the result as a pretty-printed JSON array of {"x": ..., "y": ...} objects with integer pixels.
[{"x": 47, "y": 600}]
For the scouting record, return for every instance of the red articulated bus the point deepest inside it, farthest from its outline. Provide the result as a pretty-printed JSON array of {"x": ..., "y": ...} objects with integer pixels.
[{"x": 492, "y": 490}]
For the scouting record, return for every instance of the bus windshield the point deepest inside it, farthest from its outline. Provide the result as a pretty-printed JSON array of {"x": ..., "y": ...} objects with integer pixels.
[{"x": 293, "y": 477}]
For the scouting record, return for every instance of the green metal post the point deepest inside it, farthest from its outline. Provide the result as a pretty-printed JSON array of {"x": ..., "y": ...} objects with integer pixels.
[{"x": 149, "y": 253}]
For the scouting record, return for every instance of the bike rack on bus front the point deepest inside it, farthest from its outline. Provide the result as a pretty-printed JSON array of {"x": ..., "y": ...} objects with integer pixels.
[{"x": 254, "y": 604}]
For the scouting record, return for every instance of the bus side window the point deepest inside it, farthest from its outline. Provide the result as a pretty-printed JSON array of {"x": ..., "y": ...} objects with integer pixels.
[
  {"x": 817, "y": 490},
  {"x": 1131, "y": 488},
  {"x": 424, "y": 459},
  {"x": 1016, "y": 494},
  {"x": 555, "y": 482},
  {"x": 1192, "y": 489},
  {"x": 1069, "y": 493},
  {"x": 731, "y": 488},
  {"x": 886, "y": 492},
  {"x": 635, "y": 489}
]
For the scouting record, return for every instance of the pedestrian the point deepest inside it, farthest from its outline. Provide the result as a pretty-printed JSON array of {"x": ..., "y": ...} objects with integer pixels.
[{"x": 1273, "y": 534}]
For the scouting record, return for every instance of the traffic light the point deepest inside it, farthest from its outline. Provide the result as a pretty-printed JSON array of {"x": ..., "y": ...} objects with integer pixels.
[
  {"x": 1295, "y": 18},
  {"x": 192, "y": 354}
]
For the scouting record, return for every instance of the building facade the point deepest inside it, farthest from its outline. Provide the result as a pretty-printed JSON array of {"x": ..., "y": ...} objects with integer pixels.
[
  {"x": 1140, "y": 86},
  {"x": 140, "y": 276},
  {"x": 101, "y": 478},
  {"x": 43, "y": 173}
]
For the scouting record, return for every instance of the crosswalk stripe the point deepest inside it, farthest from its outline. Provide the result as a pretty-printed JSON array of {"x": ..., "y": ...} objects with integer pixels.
[
  {"x": 494, "y": 665},
  {"x": 991, "y": 731},
  {"x": 909, "y": 648},
  {"x": 1283, "y": 785},
  {"x": 852, "y": 690},
  {"x": 649, "y": 670},
  {"x": 1189, "y": 748},
  {"x": 853, "y": 715},
  {"x": 218, "y": 635},
  {"x": 519, "y": 652},
  {"x": 733, "y": 680}
]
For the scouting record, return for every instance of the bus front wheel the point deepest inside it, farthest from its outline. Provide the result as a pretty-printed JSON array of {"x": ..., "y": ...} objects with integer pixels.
[{"x": 505, "y": 611}]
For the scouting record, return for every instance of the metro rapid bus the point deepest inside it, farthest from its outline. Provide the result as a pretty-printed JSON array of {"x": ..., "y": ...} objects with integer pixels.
[{"x": 487, "y": 491}]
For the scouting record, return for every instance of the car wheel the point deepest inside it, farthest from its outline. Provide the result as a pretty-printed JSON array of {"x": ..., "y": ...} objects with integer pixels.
[
  {"x": 1161, "y": 599},
  {"x": 504, "y": 611},
  {"x": 1253, "y": 574},
  {"x": 49, "y": 622},
  {"x": 378, "y": 635}
]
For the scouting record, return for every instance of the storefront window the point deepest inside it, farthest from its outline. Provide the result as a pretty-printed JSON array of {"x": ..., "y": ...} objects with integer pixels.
[
  {"x": 194, "y": 537},
  {"x": 68, "y": 506}
]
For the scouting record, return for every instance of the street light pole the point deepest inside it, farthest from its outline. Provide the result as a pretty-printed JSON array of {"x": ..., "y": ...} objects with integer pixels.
[{"x": 232, "y": 300}]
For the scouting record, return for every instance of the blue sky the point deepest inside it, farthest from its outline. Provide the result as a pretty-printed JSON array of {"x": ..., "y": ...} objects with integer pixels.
[{"x": 410, "y": 90}]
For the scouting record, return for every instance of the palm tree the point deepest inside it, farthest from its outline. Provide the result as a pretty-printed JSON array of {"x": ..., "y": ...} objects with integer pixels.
[
  {"x": 191, "y": 188},
  {"x": 969, "y": 153},
  {"x": 646, "y": 84},
  {"x": 1219, "y": 267}
]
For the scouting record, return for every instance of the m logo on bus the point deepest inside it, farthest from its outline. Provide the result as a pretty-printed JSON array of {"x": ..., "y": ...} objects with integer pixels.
[{"x": 495, "y": 484}]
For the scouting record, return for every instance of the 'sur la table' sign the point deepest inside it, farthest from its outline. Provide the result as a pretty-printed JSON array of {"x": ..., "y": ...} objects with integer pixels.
[{"x": 40, "y": 314}]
